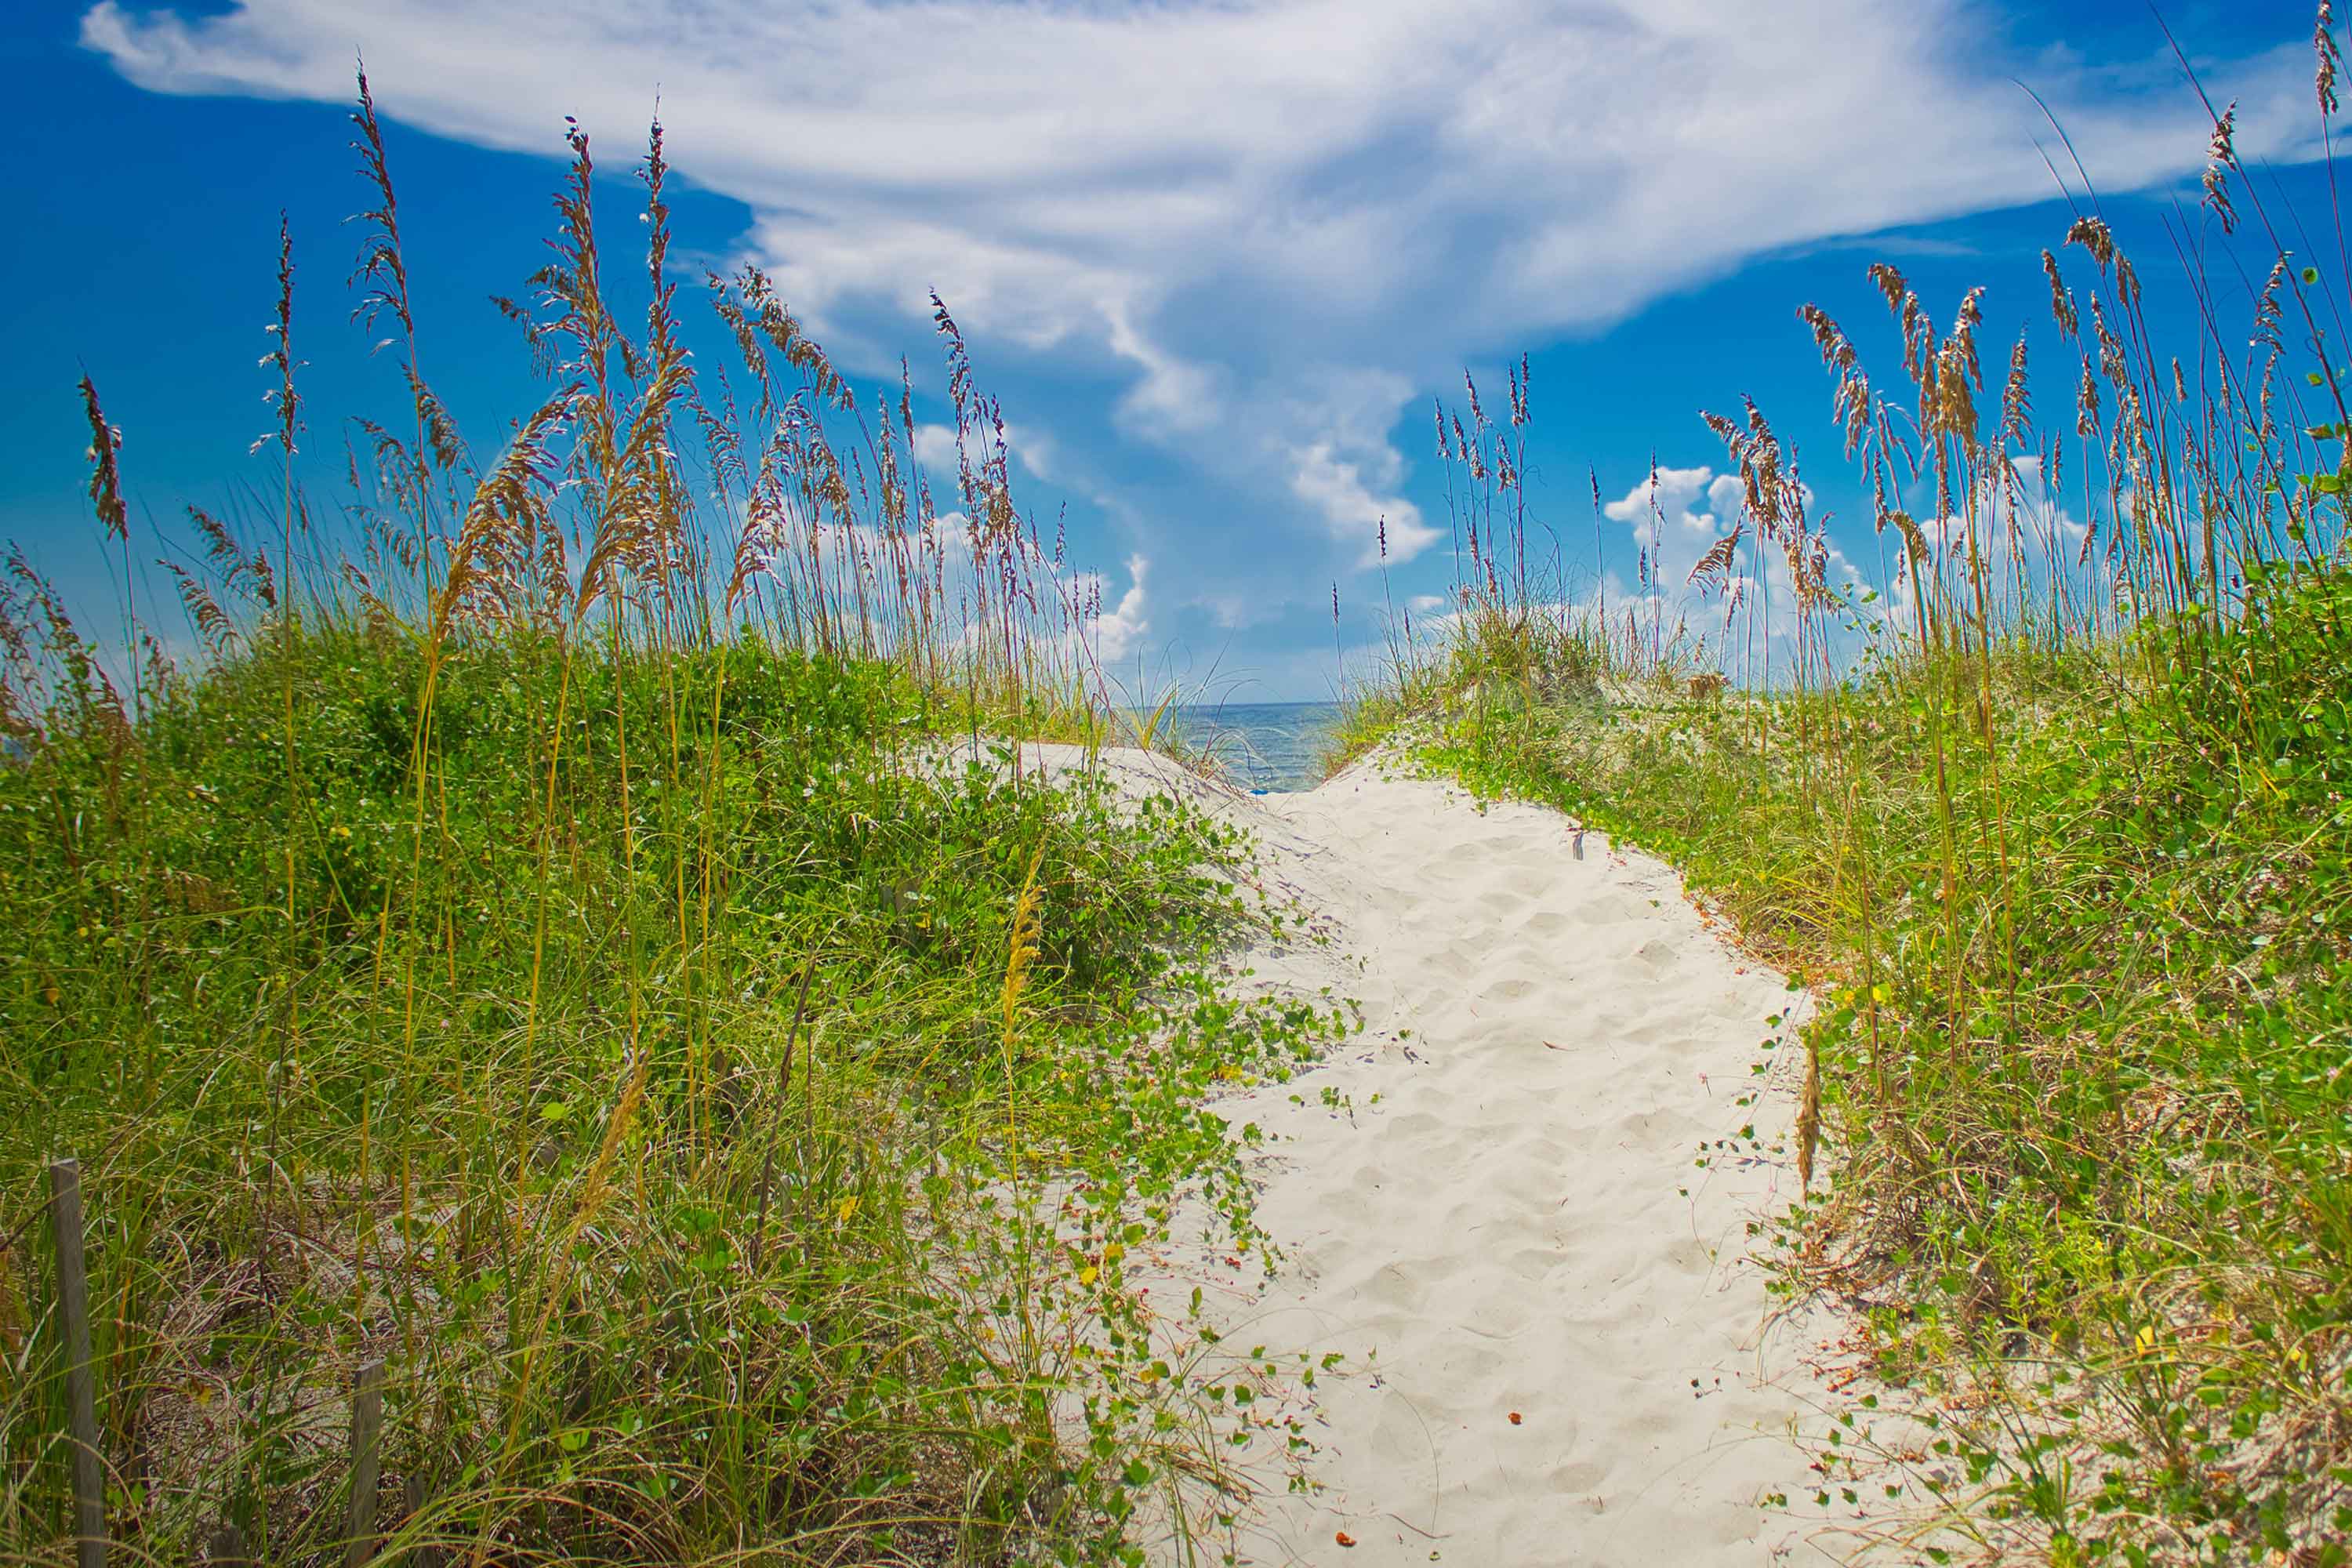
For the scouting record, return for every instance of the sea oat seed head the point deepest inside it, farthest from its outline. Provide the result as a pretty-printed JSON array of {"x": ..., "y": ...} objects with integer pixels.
[{"x": 2322, "y": 44}]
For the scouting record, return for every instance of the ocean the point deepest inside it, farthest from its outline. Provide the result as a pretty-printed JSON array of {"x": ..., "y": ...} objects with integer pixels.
[{"x": 1269, "y": 746}]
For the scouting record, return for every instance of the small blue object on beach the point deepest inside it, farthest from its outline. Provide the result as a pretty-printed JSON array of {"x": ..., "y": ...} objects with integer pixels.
[{"x": 1258, "y": 791}]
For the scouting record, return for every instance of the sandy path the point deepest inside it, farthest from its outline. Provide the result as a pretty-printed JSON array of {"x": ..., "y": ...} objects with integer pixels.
[{"x": 1488, "y": 1220}]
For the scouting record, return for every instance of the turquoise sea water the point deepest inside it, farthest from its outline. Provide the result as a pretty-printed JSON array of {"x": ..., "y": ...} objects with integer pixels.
[{"x": 1261, "y": 745}]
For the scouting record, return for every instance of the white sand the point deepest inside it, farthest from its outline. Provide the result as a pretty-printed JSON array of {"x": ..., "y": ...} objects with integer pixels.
[{"x": 1495, "y": 1226}]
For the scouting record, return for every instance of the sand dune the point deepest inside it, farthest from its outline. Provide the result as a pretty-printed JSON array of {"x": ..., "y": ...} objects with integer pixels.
[{"x": 1554, "y": 1341}]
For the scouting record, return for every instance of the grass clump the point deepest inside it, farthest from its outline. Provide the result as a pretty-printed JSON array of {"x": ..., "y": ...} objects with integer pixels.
[{"x": 643, "y": 994}]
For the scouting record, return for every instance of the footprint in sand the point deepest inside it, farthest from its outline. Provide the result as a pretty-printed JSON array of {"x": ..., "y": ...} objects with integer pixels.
[{"x": 1544, "y": 923}]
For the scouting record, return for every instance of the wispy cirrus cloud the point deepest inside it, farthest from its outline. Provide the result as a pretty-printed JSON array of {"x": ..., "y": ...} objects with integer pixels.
[{"x": 1269, "y": 227}]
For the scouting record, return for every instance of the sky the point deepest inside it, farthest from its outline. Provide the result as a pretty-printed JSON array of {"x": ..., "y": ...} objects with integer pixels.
[{"x": 1216, "y": 259}]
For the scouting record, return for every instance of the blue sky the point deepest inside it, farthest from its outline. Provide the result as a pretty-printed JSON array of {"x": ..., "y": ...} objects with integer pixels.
[{"x": 1216, "y": 259}]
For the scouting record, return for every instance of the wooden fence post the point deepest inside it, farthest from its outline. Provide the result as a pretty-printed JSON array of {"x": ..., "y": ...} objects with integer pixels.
[
  {"x": 367, "y": 1426},
  {"x": 81, "y": 1377}
]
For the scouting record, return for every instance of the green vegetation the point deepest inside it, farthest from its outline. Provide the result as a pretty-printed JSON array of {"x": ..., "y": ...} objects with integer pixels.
[
  {"x": 2059, "y": 836},
  {"x": 645, "y": 997}
]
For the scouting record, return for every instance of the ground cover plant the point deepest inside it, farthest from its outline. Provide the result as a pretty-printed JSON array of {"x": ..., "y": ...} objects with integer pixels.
[
  {"x": 581, "y": 933},
  {"x": 2057, "y": 830}
]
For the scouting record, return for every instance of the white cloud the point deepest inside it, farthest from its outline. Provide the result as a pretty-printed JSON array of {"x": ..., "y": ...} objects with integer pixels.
[
  {"x": 1353, "y": 512},
  {"x": 1333, "y": 437},
  {"x": 1194, "y": 200},
  {"x": 2025, "y": 538},
  {"x": 1674, "y": 521},
  {"x": 935, "y": 448},
  {"x": 1084, "y": 621},
  {"x": 1120, "y": 630},
  {"x": 1667, "y": 522},
  {"x": 1032, "y": 448}
]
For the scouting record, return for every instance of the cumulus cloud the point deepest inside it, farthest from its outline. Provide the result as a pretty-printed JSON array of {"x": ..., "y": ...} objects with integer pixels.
[
  {"x": 1120, "y": 630},
  {"x": 1666, "y": 522},
  {"x": 2021, "y": 534},
  {"x": 1085, "y": 621},
  {"x": 1674, "y": 517},
  {"x": 1353, "y": 512},
  {"x": 1192, "y": 201},
  {"x": 2025, "y": 538},
  {"x": 935, "y": 448}
]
